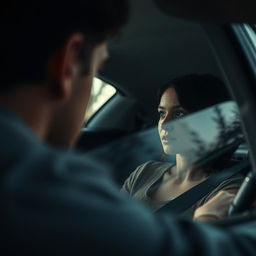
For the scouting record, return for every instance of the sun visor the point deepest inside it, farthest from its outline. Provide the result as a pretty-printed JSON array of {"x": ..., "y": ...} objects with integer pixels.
[{"x": 220, "y": 11}]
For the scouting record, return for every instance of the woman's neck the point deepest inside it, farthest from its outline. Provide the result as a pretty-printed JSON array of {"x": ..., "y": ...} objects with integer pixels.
[{"x": 185, "y": 172}]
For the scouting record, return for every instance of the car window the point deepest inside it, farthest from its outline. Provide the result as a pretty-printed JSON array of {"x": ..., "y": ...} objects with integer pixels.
[
  {"x": 203, "y": 136},
  {"x": 251, "y": 31},
  {"x": 100, "y": 94},
  {"x": 247, "y": 38}
]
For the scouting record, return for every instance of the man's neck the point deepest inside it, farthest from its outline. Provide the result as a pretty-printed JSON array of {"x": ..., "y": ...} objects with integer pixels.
[{"x": 30, "y": 104}]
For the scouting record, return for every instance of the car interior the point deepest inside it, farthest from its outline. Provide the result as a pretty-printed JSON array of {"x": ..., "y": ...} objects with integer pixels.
[{"x": 152, "y": 49}]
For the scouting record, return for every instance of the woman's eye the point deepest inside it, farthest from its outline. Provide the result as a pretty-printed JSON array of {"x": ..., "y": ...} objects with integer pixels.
[
  {"x": 161, "y": 114},
  {"x": 178, "y": 114}
]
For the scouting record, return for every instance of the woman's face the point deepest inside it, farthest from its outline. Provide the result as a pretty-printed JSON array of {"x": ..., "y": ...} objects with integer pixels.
[{"x": 169, "y": 109}]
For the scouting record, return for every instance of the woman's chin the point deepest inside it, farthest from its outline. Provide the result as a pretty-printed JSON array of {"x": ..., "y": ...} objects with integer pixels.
[{"x": 169, "y": 151}]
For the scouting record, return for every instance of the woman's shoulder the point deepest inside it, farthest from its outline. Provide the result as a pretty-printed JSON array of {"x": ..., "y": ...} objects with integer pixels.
[
  {"x": 144, "y": 173},
  {"x": 151, "y": 167}
]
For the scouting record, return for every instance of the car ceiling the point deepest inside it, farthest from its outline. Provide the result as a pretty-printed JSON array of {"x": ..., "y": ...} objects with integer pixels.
[
  {"x": 154, "y": 48},
  {"x": 211, "y": 11}
]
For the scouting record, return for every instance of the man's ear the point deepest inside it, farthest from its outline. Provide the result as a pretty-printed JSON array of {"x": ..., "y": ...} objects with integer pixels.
[{"x": 64, "y": 67}]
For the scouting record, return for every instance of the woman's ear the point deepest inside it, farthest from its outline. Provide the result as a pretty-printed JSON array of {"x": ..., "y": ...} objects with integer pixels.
[{"x": 64, "y": 67}]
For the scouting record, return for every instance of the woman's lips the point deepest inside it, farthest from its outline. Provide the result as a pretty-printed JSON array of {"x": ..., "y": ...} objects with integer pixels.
[{"x": 167, "y": 140}]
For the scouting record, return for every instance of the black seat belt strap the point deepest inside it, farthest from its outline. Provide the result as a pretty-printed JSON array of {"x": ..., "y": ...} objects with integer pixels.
[{"x": 190, "y": 197}]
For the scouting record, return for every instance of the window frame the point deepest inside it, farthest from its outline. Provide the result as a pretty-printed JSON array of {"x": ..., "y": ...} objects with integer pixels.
[{"x": 86, "y": 122}]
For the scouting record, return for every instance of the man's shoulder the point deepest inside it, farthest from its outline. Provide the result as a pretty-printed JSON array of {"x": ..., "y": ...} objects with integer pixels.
[
  {"x": 49, "y": 168},
  {"x": 54, "y": 192}
]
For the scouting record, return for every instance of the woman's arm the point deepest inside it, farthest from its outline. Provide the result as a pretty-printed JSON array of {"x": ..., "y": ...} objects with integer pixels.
[{"x": 216, "y": 208}]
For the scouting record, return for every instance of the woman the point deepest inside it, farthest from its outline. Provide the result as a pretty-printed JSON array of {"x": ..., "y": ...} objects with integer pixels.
[{"x": 178, "y": 98}]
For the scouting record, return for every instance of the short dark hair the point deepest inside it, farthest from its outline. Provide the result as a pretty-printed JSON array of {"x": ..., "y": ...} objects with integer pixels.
[
  {"x": 32, "y": 30},
  {"x": 197, "y": 91}
]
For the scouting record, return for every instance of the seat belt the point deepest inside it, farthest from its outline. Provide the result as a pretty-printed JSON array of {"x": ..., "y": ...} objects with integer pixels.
[{"x": 190, "y": 197}]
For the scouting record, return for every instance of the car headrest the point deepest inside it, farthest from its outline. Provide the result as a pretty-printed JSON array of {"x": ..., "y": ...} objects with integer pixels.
[
  {"x": 222, "y": 11},
  {"x": 92, "y": 138}
]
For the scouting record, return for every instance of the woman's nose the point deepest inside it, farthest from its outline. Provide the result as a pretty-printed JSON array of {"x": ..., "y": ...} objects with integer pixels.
[{"x": 167, "y": 126}]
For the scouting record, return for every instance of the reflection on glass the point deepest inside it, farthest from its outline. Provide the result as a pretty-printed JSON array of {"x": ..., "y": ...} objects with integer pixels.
[
  {"x": 196, "y": 135},
  {"x": 199, "y": 134}
]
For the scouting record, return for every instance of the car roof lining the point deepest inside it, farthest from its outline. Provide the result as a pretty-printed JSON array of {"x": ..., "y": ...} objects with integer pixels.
[
  {"x": 152, "y": 51},
  {"x": 221, "y": 11}
]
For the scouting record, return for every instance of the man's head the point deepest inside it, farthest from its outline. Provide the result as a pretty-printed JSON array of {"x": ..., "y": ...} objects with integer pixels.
[
  {"x": 33, "y": 30},
  {"x": 57, "y": 47}
]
